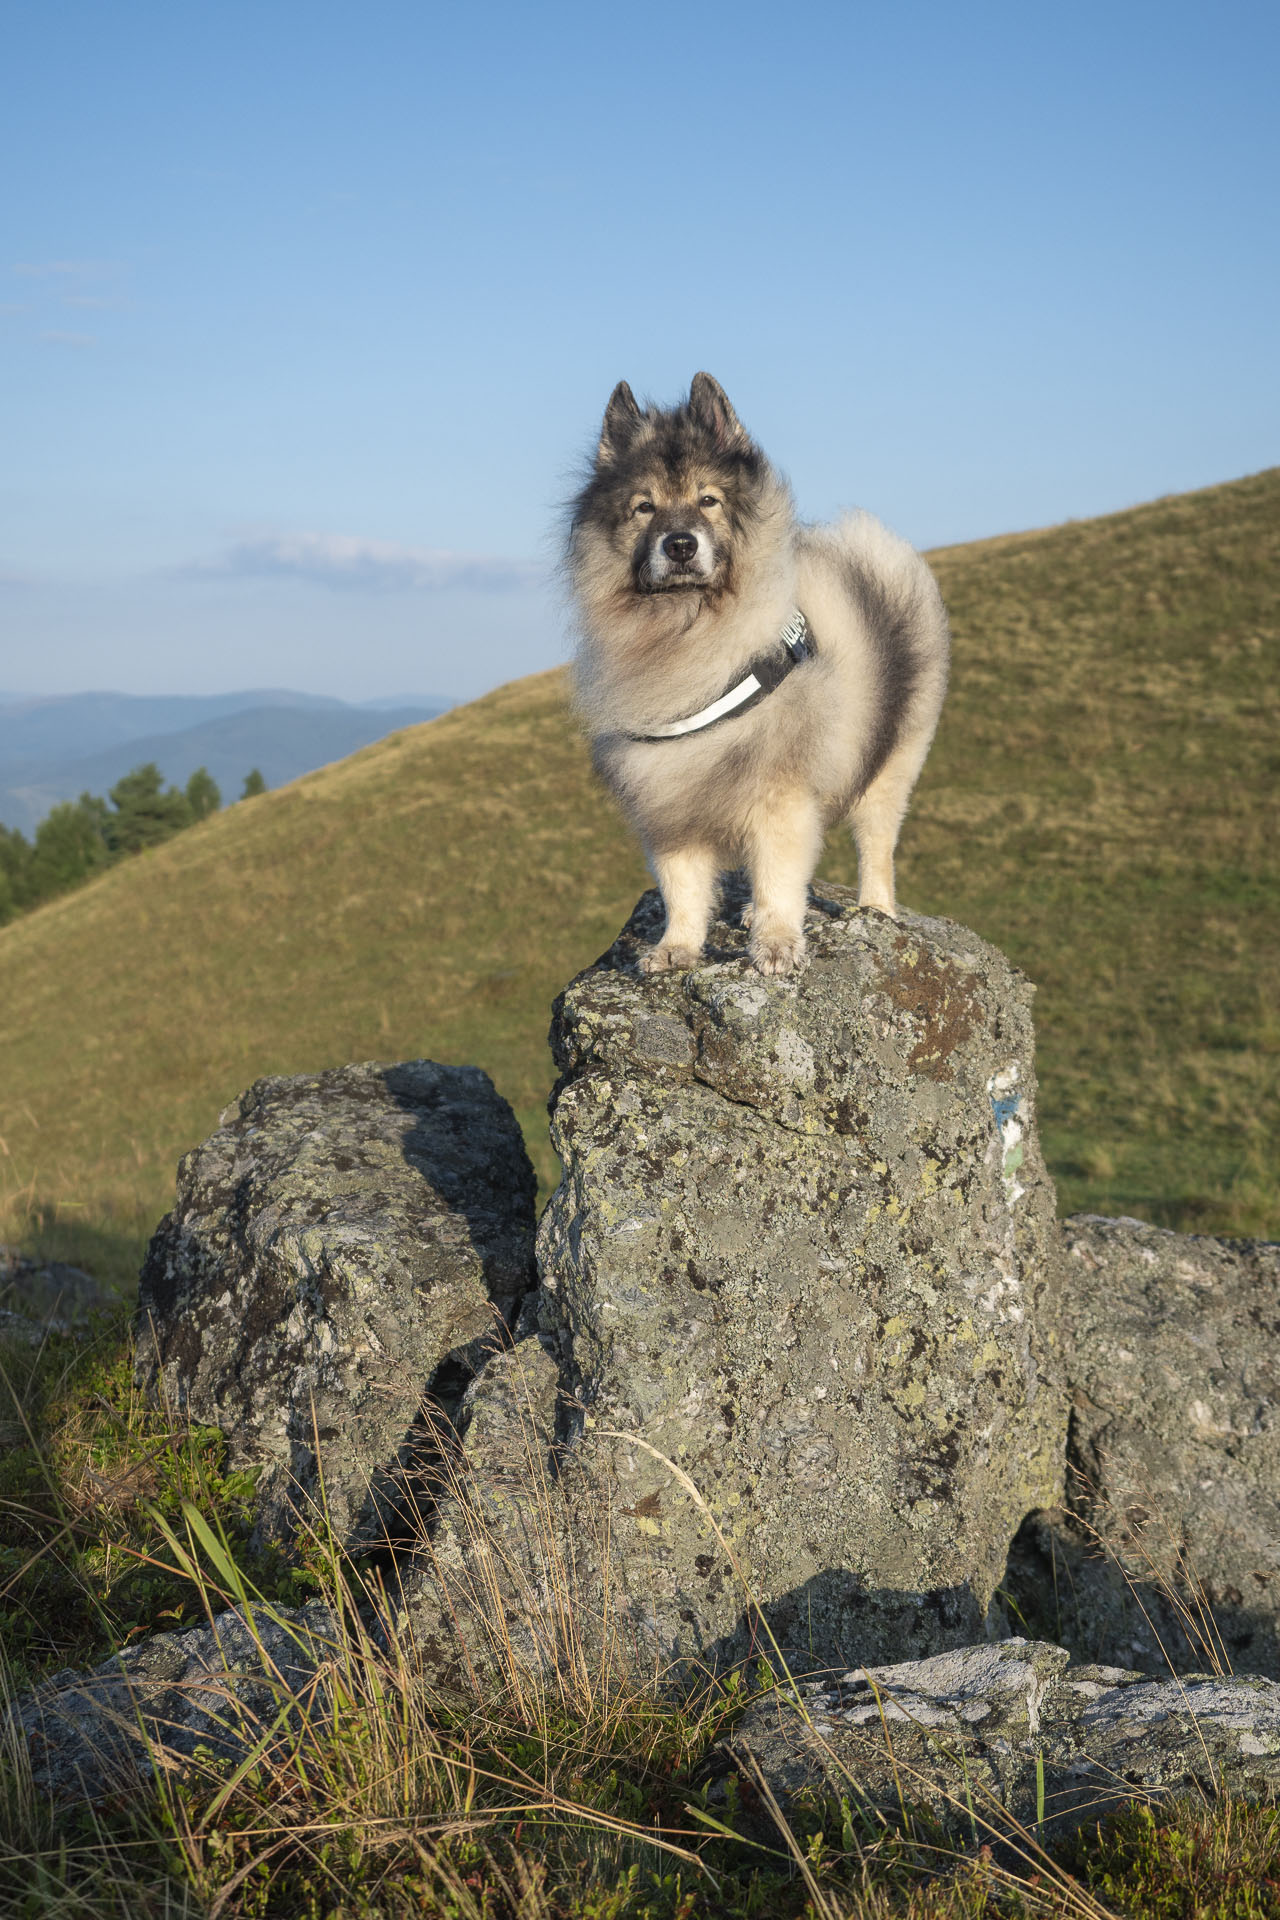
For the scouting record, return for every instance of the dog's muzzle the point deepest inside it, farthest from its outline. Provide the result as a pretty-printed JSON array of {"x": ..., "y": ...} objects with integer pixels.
[{"x": 678, "y": 559}]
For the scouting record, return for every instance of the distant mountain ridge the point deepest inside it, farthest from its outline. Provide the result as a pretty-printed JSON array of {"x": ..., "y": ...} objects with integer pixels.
[
  {"x": 56, "y": 748},
  {"x": 62, "y": 727}
]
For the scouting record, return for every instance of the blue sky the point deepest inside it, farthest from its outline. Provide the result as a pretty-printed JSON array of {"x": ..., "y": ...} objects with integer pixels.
[{"x": 307, "y": 314}]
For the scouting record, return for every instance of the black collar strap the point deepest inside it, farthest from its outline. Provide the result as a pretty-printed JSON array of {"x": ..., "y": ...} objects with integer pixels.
[{"x": 766, "y": 672}]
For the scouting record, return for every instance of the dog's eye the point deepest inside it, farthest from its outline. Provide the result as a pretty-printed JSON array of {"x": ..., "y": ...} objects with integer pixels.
[
  {"x": 708, "y": 500},
  {"x": 643, "y": 506}
]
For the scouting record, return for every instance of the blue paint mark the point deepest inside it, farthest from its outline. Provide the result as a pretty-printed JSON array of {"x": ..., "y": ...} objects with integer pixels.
[{"x": 1004, "y": 1110}]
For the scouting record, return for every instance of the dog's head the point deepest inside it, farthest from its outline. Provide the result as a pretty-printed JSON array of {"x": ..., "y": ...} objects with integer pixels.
[{"x": 671, "y": 493}]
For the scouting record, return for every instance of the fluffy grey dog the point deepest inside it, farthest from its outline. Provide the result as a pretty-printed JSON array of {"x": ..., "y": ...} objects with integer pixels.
[{"x": 745, "y": 681}]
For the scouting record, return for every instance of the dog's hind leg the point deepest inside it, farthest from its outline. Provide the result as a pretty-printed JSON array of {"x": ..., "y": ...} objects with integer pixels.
[
  {"x": 687, "y": 881},
  {"x": 874, "y": 823},
  {"x": 875, "y": 820},
  {"x": 783, "y": 842}
]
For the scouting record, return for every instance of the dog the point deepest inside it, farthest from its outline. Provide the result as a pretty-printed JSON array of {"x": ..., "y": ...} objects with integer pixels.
[{"x": 745, "y": 681}]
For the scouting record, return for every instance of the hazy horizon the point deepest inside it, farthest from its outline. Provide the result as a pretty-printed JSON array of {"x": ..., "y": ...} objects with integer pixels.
[
  {"x": 309, "y": 320},
  {"x": 9, "y": 698}
]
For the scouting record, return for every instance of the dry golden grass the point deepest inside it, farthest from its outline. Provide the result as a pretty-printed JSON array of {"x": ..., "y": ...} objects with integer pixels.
[
  {"x": 1101, "y": 803},
  {"x": 579, "y": 1790}
]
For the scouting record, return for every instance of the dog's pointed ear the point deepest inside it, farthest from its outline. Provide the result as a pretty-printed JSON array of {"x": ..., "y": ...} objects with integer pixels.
[
  {"x": 709, "y": 404},
  {"x": 621, "y": 420}
]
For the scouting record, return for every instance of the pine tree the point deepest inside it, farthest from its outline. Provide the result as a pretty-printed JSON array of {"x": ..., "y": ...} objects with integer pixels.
[
  {"x": 253, "y": 783},
  {"x": 71, "y": 843},
  {"x": 145, "y": 811},
  {"x": 203, "y": 794},
  {"x": 15, "y": 873}
]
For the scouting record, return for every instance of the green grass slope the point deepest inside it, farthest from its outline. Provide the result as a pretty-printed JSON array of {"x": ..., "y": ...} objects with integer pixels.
[{"x": 1101, "y": 803}]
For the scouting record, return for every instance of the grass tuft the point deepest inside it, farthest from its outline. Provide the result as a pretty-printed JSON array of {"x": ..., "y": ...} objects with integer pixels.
[{"x": 90, "y": 1477}]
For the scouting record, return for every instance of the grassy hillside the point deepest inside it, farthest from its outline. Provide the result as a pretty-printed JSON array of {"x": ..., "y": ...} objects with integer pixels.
[{"x": 1101, "y": 803}]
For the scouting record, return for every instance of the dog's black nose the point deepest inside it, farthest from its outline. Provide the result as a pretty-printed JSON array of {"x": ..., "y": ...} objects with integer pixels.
[{"x": 680, "y": 547}]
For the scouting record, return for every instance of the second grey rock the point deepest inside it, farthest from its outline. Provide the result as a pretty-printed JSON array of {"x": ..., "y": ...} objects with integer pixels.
[{"x": 342, "y": 1247}]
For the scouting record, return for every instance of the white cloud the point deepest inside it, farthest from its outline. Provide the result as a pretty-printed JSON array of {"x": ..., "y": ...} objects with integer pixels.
[
  {"x": 60, "y": 338},
  {"x": 61, "y": 269},
  {"x": 347, "y": 560}
]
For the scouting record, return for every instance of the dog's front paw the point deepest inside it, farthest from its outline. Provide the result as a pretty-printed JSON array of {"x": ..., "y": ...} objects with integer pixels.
[
  {"x": 665, "y": 958},
  {"x": 778, "y": 952}
]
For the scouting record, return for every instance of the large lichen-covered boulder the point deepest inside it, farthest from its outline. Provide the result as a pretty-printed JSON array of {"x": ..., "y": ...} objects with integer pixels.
[
  {"x": 1168, "y": 1547},
  {"x": 345, "y": 1246},
  {"x": 796, "y": 1276}
]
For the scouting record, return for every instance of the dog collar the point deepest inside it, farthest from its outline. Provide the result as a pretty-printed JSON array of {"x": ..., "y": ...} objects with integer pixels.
[{"x": 765, "y": 674}]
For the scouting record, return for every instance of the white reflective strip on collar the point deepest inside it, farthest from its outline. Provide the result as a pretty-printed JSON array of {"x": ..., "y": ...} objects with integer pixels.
[
  {"x": 725, "y": 704},
  {"x": 795, "y": 629}
]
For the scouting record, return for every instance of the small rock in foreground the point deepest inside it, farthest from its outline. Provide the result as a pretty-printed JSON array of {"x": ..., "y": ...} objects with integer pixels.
[
  {"x": 964, "y": 1733},
  {"x": 218, "y": 1688}
]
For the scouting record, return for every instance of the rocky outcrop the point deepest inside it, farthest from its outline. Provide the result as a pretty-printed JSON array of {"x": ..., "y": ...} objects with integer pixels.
[
  {"x": 797, "y": 1368},
  {"x": 344, "y": 1248},
  {"x": 807, "y": 1348},
  {"x": 1000, "y": 1737},
  {"x": 1168, "y": 1546},
  {"x": 796, "y": 1280}
]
